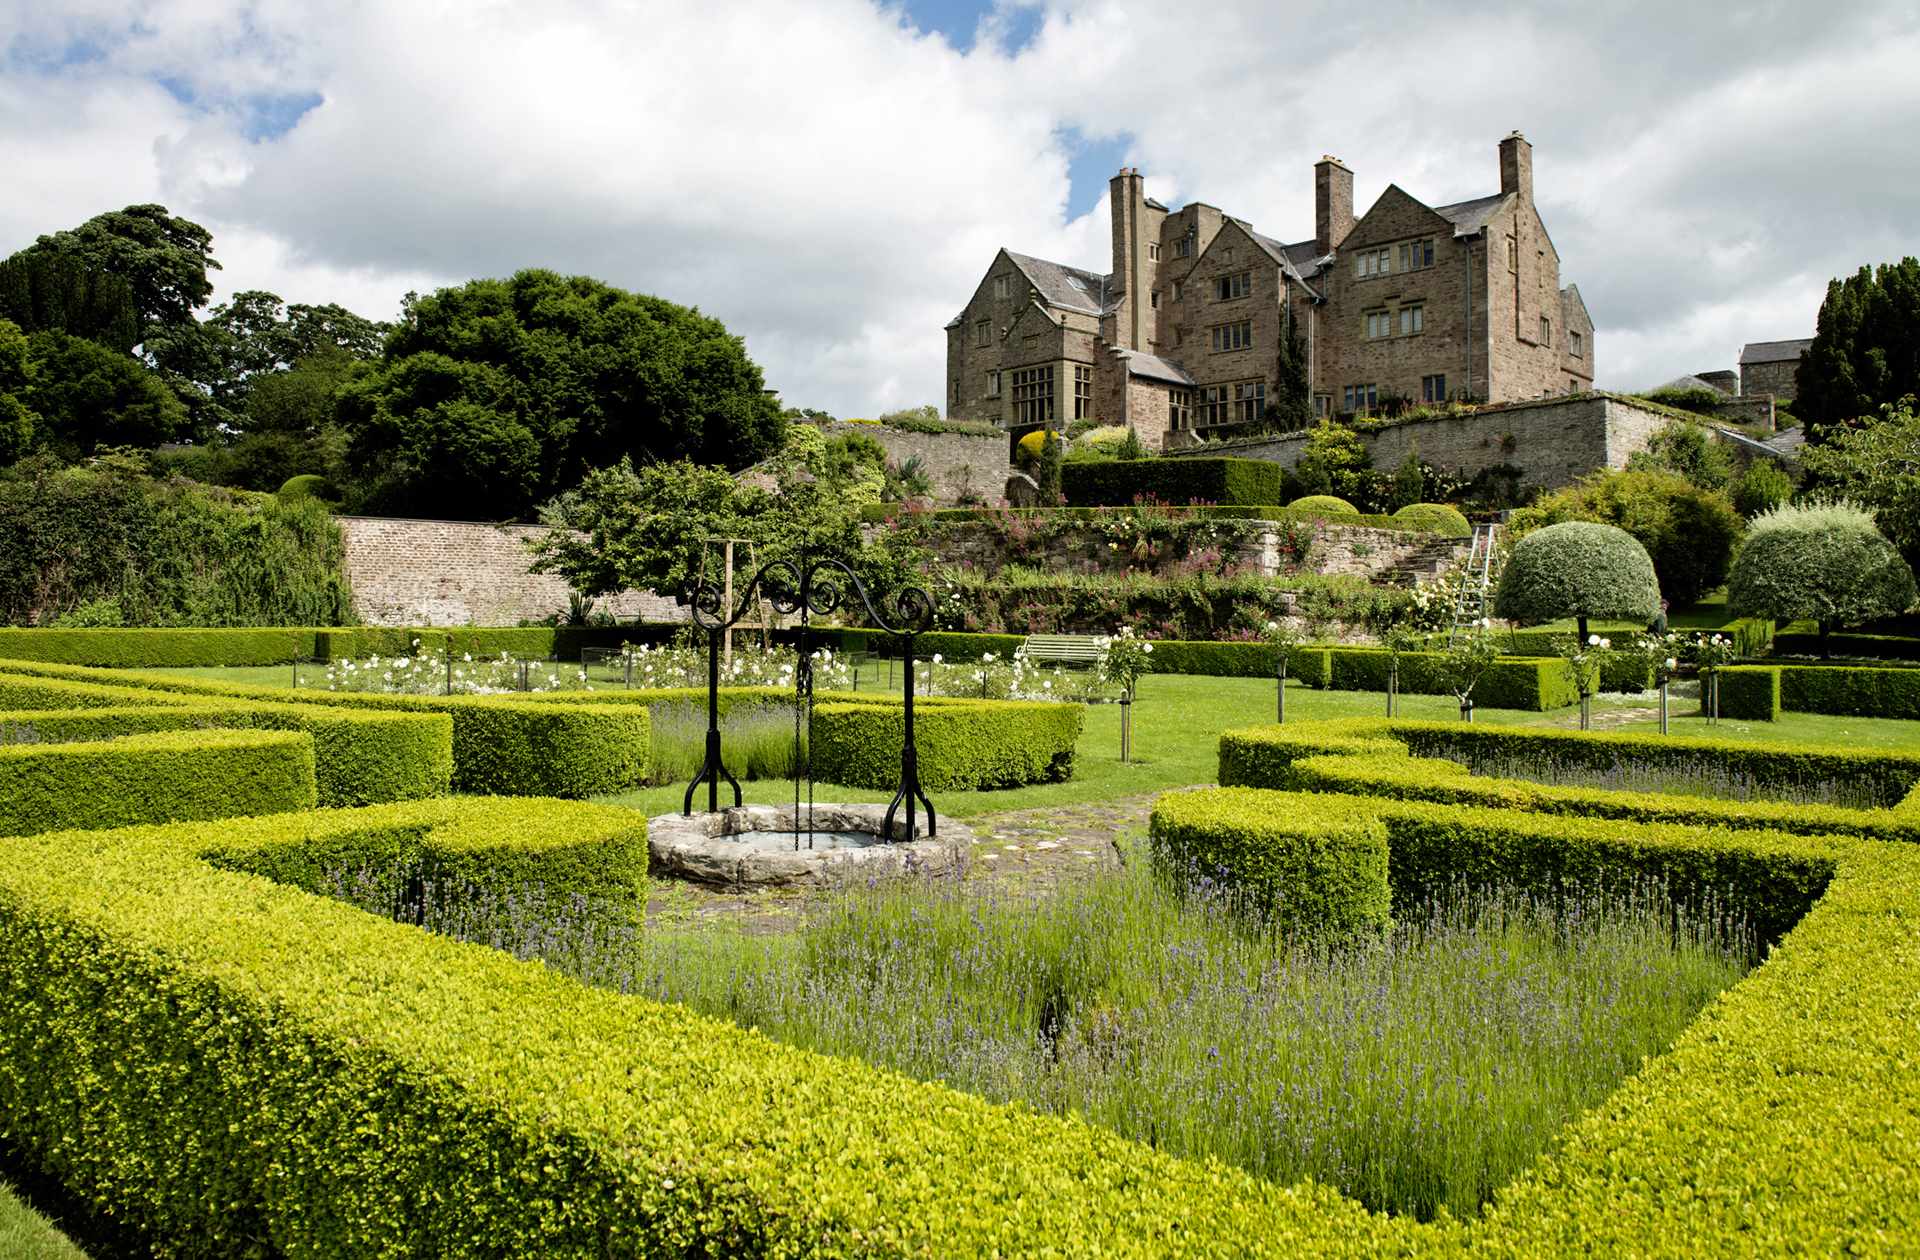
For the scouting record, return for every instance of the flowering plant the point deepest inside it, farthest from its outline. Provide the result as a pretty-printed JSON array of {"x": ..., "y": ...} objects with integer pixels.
[
  {"x": 1586, "y": 659},
  {"x": 1713, "y": 651},
  {"x": 1123, "y": 658},
  {"x": 1467, "y": 660}
]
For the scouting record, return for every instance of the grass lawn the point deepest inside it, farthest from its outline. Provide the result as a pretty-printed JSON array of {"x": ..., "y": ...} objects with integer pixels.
[
  {"x": 1176, "y": 742},
  {"x": 27, "y": 1235}
]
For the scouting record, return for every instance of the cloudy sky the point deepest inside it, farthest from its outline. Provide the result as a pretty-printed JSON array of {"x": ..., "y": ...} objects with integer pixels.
[{"x": 831, "y": 177}]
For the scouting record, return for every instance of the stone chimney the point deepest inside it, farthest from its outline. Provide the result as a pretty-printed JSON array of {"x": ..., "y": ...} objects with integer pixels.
[
  {"x": 1127, "y": 201},
  {"x": 1516, "y": 166},
  {"x": 1332, "y": 204}
]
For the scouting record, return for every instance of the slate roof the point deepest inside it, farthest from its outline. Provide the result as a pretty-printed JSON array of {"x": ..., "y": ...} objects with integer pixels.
[
  {"x": 1060, "y": 285},
  {"x": 1153, "y": 368},
  {"x": 1774, "y": 351},
  {"x": 1686, "y": 383},
  {"x": 1469, "y": 217}
]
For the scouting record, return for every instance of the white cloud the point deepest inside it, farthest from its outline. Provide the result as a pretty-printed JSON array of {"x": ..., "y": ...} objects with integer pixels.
[{"x": 831, "y": 183}]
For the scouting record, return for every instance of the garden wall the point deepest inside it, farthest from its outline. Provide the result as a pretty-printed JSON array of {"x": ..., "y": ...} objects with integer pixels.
[
  {"x": 964, "y": 467},
  {"x": 460, "y": 573},
  {"x": 1552, "y": 441},
  {"x": 1378, "y": 555}
]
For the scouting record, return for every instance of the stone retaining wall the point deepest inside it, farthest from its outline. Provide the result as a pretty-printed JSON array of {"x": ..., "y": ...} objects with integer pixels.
[
  {"x": 1552, "y": 441},
  {"x": 462, "y": 573}
]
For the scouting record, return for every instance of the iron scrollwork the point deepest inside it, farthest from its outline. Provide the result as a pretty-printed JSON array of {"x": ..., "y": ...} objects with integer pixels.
[{"x": 811, "y": 588}]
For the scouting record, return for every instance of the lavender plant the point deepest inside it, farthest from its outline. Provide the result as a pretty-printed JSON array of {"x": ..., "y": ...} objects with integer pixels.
[{"x": 1417, "y": 1074}]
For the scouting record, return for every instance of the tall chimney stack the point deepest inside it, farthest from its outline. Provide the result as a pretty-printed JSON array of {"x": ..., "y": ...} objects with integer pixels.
[
  {"x": 1126, "y": 199},
  {"x": 1516, "y": 166},
  {"x": 1332, "y": 204}
]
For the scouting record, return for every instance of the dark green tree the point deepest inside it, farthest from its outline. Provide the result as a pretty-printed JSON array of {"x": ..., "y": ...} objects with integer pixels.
[
  {"x": 50, "y": 292},
  {"x": 163, "y": 259},
  {"x": 575, "y": 372},
  {"x": 1292, "y": 405},
  {"x": 17, "y": 421},
  {"x": 434, "y": 436},
  {"x": 88, "y": 396},
  {"x": 1866, "y": 348}
]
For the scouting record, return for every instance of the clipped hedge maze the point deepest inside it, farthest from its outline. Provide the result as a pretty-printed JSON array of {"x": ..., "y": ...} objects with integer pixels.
[{"x": 295, "y": 1074}]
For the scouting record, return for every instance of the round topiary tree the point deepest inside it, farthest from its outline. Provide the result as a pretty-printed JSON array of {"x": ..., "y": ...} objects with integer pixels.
[
  {"x": 1438, "y": 517},
  {"x": 1325, "y": 504},
  {"x": 1578, "y": 569},
  {"x": 306, "y": 486},
  {"x": 1823, "y": 562}
]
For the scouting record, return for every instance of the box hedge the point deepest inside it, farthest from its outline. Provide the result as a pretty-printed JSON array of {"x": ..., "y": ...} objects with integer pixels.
[
  {"x": 1263, "y": 756},
  {"x": 1448, "y": 782},
  {"x": 962, "y": 745},
  {"x": 160, "y": 776},
  {"x": 1513, "y": 682},
  {"x": 1175, "y": 481},
  {"x": 1869, "y": 646},
  {"x": 157, "y": 649},
  {"x": 361, "y": 757},
  {"x": 1307, "y": 664},
  {"x": 294, "y": 1076},
  {"x": 1760, "y": 693},
  {"x": 1321, "y": 876}
]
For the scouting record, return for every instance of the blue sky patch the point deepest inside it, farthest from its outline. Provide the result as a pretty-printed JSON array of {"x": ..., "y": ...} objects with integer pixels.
[
  {"x": 959, "y": 21},
  {"x": 270, "y": 117},
  {"x": 1090, "y": 164}
]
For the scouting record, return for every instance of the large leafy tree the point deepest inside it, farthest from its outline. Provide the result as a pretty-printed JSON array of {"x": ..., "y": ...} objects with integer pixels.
[
  {"x": 587, "y": 373},
  {"x": 1877, "y": 465},
  {"x": 163, "y": 258},
  {"x": 648, "y": 528},
  {"x": 17, "y": 420},
  {"x": 87, "y": 396},
  {"x": 1866, "y": 348}
]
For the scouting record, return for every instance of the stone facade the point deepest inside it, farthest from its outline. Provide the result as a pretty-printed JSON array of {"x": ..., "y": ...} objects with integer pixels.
[
  {"x": 1427, "y": 303},
  {"x": 458, "y": 573},
  {"x": 963, "y": 467},
  {"x": 1551, "y": 441},
  {"x": 1768, "y": 367}
]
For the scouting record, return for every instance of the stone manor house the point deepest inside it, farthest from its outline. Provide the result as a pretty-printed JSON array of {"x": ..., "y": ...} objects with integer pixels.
[{"x": 1185, "y": 334}]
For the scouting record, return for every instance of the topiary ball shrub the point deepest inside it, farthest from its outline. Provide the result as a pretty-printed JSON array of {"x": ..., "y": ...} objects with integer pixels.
[
  {"x": 1824, "y": 562},
  {"x": 1319, "y": 874},
  {"x": 306, "y": 486},
  {"x": 1326, "y": 504},
  {"x": 1578, "y": 569},
  {"x": 1438, "y": 517}
]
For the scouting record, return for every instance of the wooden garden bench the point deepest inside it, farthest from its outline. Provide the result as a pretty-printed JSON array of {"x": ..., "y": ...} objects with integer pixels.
[{"x": 1063, "y": 649}]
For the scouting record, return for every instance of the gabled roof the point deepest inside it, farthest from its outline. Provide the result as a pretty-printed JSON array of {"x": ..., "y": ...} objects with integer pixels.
[
  {"x": 1686, "y": 384},
  {"x": 1774, "y": 351},
  {"x": 1063, "y": 286},
  {"x": 1469, "y": 217},
  {"x": 1152, "y": 367},
  {"x": 1571, "y": 301}
]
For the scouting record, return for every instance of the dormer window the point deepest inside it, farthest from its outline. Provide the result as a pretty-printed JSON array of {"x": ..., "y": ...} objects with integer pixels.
[{"x": 1077, "y": 283}]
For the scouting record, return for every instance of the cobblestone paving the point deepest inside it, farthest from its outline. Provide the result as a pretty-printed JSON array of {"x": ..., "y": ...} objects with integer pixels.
[{"x": 1034, "y": 849}]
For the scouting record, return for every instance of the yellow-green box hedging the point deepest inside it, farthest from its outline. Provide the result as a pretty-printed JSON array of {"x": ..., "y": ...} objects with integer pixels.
[
  {"x": 961, "y": 745},
  {"x": 498, "y": 745},
  {"x": 162, "y": 776},
  {"x": 1263, "y": 756},
  {"x": 291, "y": 1075},
  {"x": 360, "y": 758}
]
